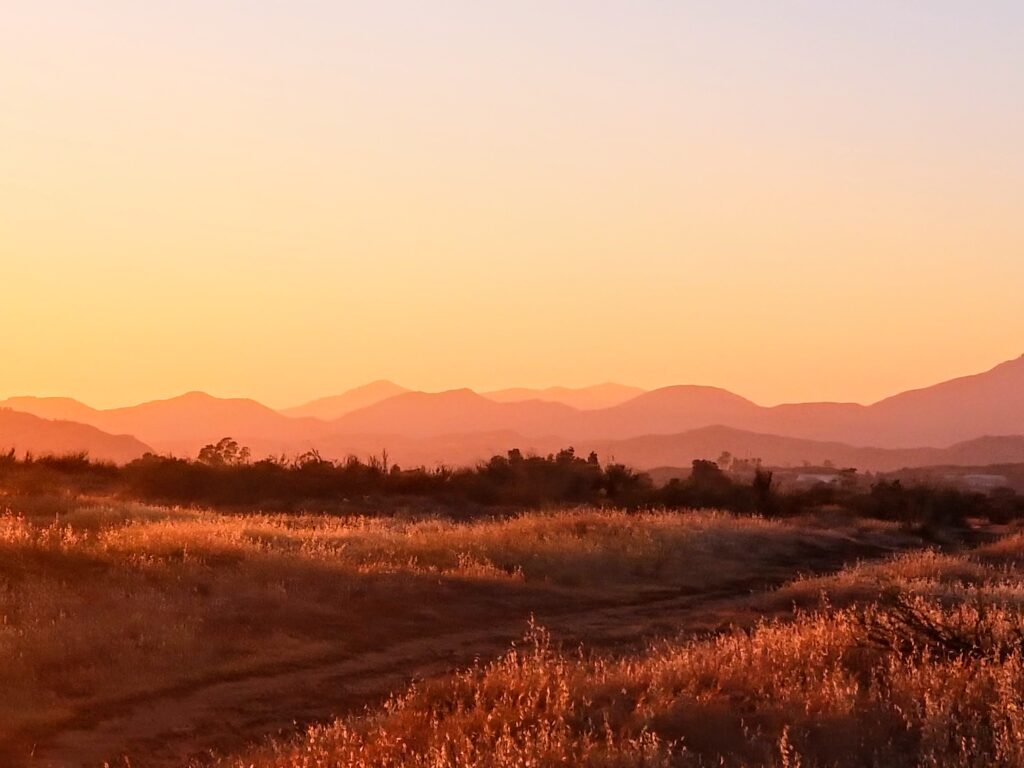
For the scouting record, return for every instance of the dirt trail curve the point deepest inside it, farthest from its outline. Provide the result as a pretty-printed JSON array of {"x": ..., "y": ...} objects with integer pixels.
[{"x": 168, "y": 727}]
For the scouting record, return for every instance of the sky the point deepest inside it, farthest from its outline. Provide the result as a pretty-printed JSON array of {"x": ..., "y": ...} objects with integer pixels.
[{"x": 282, "y": 200}]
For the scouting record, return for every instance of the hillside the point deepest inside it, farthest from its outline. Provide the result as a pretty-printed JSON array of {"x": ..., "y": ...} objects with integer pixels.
[
  {"x": 462, "y": 423},
  {"x": 425, "y": 414},
  {"x": 990, "y": 403},
  {"x": 27, "y": 433},
  {"x": 335, "y": 406},
  {"x": 668, "y": 410},
  {"x": 65, "y": 408},
  {"x": 185, "y": 423},
  {"x": 710, "y": 442},
  {"x": 583, "y": 398}
]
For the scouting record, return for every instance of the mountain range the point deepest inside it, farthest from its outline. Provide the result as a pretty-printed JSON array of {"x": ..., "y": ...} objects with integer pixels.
[
  {"x": 670, "y": 425},
  {"x": 335, "y": 406},
  {"x": 26, "y": 433},
  {"x": 583, "y": 398}
]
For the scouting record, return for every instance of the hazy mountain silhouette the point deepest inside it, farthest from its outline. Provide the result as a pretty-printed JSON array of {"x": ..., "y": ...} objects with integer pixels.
[
  {"x": 25, "y": 432},
  {"x": 710, "y": 442},
  {"x": 185, "y": 423},
  {"x": 944, "y": 415},
  {"x": 983, "y": 404},
  {"x": 983, "y": 451},
  {"x": 845, "y": 422},
  {"x": 583, "y": 398},
  {"x": 990, "y": 403},
  {"x": 422, "y": 414},
  {"x": 64, "y": 408},
  {"x": 678, "y": 450},
  {"x": 335, "y": 406},
  {"x": 669, "y": 410}
]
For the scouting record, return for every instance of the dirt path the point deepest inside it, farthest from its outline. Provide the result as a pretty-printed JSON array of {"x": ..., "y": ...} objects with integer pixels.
[{"x": 168, "y": 727}]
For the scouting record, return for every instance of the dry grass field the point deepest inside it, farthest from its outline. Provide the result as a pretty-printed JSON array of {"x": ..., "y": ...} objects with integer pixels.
[
  {"x": 155, "y": 636},
  {"x": 918, "y": 661}
]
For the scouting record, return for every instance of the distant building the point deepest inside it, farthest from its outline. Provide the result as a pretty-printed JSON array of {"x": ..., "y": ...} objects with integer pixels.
[
  {"x": 811, "y": 478},
  {"x": 984, "y": 482}
]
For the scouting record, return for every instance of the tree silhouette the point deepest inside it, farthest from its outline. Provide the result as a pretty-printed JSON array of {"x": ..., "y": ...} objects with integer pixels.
[{"x": 225, "y": 453}]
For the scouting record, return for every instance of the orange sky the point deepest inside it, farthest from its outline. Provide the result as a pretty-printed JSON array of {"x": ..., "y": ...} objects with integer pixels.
[{"x": 286, "y": 200}]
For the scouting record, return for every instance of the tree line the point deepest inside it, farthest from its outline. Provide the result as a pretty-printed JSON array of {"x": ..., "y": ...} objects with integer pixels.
[{"x": 224, "y": 475}]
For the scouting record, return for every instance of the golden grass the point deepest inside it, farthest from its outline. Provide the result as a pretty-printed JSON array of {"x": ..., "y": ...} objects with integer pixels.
[
  {"x": 925, "y": 669},
  {"x": 100, "y": 600}
]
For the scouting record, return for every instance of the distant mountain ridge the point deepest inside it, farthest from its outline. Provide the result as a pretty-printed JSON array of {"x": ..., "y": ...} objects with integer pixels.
[
  {"x": 423, "y": 414},
  {"x": 944, "y": 416},
  {"x": 336, "y": 406},
  {"x": 60, "y": 408},
  {"x": 584, "y": 398},
  {"x": 990, "y": 403},
  {"x": 710, "y": 442},
  {"x": 25, "y": 433},
  {"x": 185, "y": 423},
  {"x": 679, "y": 449}
]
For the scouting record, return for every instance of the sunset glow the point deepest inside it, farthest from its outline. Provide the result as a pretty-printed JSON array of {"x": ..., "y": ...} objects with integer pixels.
[
  {"x": 475, "y": 384},
  {"x": 795, "y": 201}
]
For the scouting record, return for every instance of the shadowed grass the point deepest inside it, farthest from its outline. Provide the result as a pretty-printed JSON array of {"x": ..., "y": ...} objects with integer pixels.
[
  {"x": 934, "y": 677},
  {"x": 102, "y": 600}
]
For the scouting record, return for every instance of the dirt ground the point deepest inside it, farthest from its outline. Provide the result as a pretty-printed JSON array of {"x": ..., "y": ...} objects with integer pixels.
[{"x": 172, "y": 726}]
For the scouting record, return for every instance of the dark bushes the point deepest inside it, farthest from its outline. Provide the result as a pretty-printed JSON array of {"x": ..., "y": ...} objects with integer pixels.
[{"x": 224, "y": 476}]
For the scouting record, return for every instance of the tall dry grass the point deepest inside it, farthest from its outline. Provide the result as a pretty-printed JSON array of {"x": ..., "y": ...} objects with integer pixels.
[
  {"x": 923, "y": 666},
  {"x": 101, "y": 600}
]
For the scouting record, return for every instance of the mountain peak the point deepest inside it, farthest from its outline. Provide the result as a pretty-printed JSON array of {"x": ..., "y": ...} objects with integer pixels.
[
  {"x": 57, "y": 408},
  {"x": 194, "y": 394},
  {"x": 197, "y": 398},
  {"x": 335, "y": 406},
  {"x": 461, "y": 396},
  {"x": 604, "y": 395},
  {"x": 381, "y": 383},
  {"x": 26, "y": 432},
  {"x": 694, "y": 392}
]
